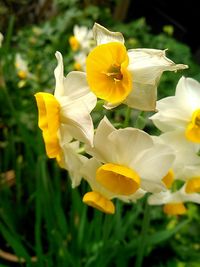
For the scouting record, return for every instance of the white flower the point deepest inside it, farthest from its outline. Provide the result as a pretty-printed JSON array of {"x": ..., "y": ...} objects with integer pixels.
[
  {"x": 79, "y": 61},
  {"x": 120, "y": 76},
  {"x": 182, "y": 111},
  {"x": 82, "y": 39},
  {"x": 186, "y": 153},
  {"x": 173, "y": 201},
  {"x": 186, "y": 166},
  {"x": 22, "y": 67},
  {"x": 69, "y": 108},
  {"x": 127, "y": 161},
  {"x": 100, "y": 197}
]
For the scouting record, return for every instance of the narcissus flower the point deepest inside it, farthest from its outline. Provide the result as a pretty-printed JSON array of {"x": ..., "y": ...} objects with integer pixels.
[
  {"x": 79, "y": 61},
  {"x": 67, "y": 112},
  {"x": 100, "y": 197},
  {"x": 120, "y": 76},
  {"x": 21, "y": 67},
  {"x": 82, "y": 39},
  {"x": 174, "y": 201},
  {"x": 128, "y": 161},
  {"x": 186, "y": 166},
  {"x": 182, "y": 111}
]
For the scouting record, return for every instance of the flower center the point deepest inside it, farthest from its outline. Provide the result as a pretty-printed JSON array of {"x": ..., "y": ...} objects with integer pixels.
[
  {"x": 193, "y": 129},
  {"x": 114, "y": 72},
  {"x": 174, "y": 208},
  {"x": 107, "y": 73},
  {"x": 49, "y": 122},
  {"x": 193, "y": 185},
  {"x": 98, "y": 201},
  {"x": 118, "y": 179}
]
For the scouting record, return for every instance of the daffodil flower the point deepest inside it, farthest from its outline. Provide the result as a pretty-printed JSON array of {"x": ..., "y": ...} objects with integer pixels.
[
  {"x": 120, "y": 76},
  {"x": 128, "y": 161},
  {"x": 174, "y": 201},
  {"x": 186, "y": 166},
  {"x": 67, "y": 112},
  {"x": 82, "y": 39},
  {"x": 79, "y": 61},
  {"x": 21, "y": 67},
  {"x": 100, "y": 197},
  {"x": 182, "y": 111}
]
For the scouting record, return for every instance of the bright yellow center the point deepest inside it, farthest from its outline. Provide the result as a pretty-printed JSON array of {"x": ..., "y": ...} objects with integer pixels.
[
  {"x": 98, "y": 201},
  {"x": 49, "y": 121},
  {"x": 74, "y": 43},
  {"x": 168, "y": 179},
  {"x": 118, "y": 179},
  {"x": 193, "y": 129},
  {"x": 174, "y": 208},
  {"x": 107, "y": 74},
  {"x": 193, "y": 185},
  {"x": 22, "y": 74}
]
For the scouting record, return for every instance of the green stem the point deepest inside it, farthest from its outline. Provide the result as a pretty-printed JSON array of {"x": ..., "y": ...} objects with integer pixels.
[
  {"x": 127, "y": 117},
  {"x": 143, "y": 236}
]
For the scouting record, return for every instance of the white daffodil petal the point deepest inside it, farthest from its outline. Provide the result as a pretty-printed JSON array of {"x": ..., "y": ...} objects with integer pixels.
[
  {"x": 160, "y": 198},
  {"x": 73, "y": 162},
  {"x": 64, "y": 135},
  {"x": 78, "y": 121},
  {"x": 128, "y": 142},
  {"x": 101, "y": 142},
  {"x": 147, "y": 65},
  {"x": 59, "y": 76},
  {"x": 160, "y": 158},
  {"x": 103, "y": 35},
  {"x": 142, "y": 97},
  {"x": 188, "y": 91},
  {"x": 76, "y": 87},
  {"x": 134, "y": 197},
  {"x": 169, "y": 120}
]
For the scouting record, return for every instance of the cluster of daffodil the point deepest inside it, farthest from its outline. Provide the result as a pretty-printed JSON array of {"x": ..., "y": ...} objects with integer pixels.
[
  {"x": 123, "y": 163},
  {"x": 82, "y": 42}
]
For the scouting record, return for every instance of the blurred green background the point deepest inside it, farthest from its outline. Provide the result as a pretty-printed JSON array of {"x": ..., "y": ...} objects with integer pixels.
[{"x": 43, "y": 222}]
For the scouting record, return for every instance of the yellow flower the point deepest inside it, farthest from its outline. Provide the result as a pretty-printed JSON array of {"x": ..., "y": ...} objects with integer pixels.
[
  {"x": 120, "y": 76},
  {"x": 82, "y": 39},
  {"x": 182, "y": 111},
  {"x": 174, "y": 201},
  {"x": 22, "y": 67},
  {"x": 49, "y": 122},
  {"x": 67, "y": 112},
  {"x": 107, "y": 68},
  {"x": 127, "y": 166}
]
